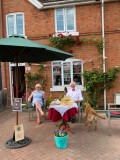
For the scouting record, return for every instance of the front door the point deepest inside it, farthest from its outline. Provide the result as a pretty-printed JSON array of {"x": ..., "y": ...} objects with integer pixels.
[{"x": 21, "y": 82}]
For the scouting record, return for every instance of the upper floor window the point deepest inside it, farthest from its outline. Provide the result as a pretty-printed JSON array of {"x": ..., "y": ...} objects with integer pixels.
[
  {"x": 63, "y": 72},
  {"x": 65, "y": 19},
  {"x": 15, "y": 24}
]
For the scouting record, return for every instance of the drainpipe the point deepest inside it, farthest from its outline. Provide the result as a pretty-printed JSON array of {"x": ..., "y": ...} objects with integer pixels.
[
  {"x": 103, "y": 37},
  {"x": 3, "y": 64}
]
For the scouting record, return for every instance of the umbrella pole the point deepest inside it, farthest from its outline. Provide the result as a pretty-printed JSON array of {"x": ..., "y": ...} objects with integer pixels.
[
  {"x": 16, "y": 96},
  {"x": 16, "y": 87}
]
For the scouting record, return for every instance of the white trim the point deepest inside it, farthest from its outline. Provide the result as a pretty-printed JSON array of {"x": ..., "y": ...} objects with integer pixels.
[
  {"x": 61, "y": 88},
  {"x": 36, "y": 3},
  {"x": 14, "y": 18},
  {"x": 63, "y": 11},
  {"x": 74, "y": 11},
  {"x": 67, "y": 4},
  {"x": 14, "y": 64},
  {"x": 67, "y": 33},
  {"x": 72, "y": 60},
  {"x": 64, "y": 20}
]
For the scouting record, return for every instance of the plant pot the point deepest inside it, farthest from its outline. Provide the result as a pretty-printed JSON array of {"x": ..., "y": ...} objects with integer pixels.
[{"x": 61, "y": 142}]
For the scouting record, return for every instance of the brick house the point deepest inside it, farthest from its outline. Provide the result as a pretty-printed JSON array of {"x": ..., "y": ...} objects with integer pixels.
[{"x": 36, "y": 19}]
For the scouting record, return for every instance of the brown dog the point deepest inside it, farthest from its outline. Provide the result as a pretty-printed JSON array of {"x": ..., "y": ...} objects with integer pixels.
[{"x": 91, "y": 115}]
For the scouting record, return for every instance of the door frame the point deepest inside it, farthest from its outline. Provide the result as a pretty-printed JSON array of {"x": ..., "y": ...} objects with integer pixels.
[{"x": 11, "y": 79}]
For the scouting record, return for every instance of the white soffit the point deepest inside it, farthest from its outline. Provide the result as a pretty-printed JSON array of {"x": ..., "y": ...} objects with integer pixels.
[{"x": 36, "y": 3}]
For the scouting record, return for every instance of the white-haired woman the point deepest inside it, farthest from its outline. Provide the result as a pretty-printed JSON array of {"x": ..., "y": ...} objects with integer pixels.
[{"x": 37, "y": 101}]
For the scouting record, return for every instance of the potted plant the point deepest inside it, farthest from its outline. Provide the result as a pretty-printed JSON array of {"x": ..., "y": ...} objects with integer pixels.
[{"x": 61, "y": 137}]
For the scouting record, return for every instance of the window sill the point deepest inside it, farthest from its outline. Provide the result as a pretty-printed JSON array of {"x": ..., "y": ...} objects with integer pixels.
[
  {"x": 67, "y": 33},
  {"x": 61, "y": 88}
]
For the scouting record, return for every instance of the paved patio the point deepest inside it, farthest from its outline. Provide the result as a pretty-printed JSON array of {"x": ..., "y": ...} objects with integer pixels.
[{"x": 83, "y": 145}]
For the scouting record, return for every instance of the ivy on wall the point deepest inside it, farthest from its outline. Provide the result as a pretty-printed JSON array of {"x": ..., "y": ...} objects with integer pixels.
[
  {"x": 65, "y": 42},
  {"x": 33, "y": 79},
  {"x": 95, "y": 81}
]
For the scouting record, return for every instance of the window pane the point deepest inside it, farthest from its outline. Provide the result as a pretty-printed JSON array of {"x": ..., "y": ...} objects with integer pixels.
[
  {"x": 70, "y": 25},
  {"x": 70, "y": 18},
  {"x": 66, "y": 73},
  {"x": 77, "y": 76},
  {"x": 60, "y": 16},
  {"x": 60, "y": 19},
  {"x": 60, "y": 26},
  {"x": 19, "y": 23},
  {"x": 57, "y": 76},
  {"x": 10, "y": 24}
]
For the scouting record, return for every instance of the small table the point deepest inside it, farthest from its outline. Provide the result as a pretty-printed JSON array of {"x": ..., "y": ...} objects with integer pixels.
[{"x": 57, "y": 112}]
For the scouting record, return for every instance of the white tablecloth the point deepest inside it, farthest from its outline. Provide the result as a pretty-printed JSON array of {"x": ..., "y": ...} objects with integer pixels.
[{"x": 63, "y": 109}]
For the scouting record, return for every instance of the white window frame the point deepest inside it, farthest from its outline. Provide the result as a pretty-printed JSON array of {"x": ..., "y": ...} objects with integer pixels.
[
  {"x": 61, "y": 88},
  {"x": 15, "y": 28},
  {"x": 65, "y": 25}
]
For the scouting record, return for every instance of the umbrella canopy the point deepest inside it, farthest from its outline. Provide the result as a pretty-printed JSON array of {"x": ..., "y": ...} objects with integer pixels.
[{"x": 17, "y": 47}]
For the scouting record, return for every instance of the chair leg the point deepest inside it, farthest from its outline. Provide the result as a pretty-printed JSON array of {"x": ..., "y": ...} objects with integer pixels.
[
  {"x": 79, "y": 117},
  {"x": 81, "y": 113},
  {"x": 109, "y": 127},
  {"x": 29, "y": 114}
]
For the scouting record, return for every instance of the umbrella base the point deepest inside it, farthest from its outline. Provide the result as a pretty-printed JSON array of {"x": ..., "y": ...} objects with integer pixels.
[{"x": 13, "y": 144}]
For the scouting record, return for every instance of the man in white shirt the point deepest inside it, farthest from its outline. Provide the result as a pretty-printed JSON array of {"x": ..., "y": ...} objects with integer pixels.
[{"x": 75, "y": 94}]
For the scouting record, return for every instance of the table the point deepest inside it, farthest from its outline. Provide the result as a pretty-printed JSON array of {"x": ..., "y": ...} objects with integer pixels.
[{"x": 57, "y": 112}]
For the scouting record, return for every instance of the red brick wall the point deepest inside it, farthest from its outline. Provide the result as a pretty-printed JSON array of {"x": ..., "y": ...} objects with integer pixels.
[{"x": 39, "y": 23}]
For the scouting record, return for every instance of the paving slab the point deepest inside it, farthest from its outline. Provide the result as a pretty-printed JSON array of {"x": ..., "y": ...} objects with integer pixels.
[{"x": 83, "y": 145}]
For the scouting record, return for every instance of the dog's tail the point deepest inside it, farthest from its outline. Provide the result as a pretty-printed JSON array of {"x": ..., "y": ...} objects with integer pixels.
[{"x": 98, "y": 115}]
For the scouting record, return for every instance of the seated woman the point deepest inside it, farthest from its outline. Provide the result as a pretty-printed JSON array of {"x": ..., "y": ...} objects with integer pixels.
[{"x": 37, "y": 96}]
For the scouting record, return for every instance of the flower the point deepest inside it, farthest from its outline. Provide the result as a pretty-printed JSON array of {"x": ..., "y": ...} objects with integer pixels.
[
  {"x": 62, "y": 132},
  {"x": 63, "y": 42}
]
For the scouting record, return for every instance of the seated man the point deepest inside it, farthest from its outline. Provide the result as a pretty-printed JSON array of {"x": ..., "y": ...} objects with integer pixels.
[{"x": 75, "y": 94}]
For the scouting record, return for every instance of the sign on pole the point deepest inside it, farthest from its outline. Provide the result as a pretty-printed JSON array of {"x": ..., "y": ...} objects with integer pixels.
[{"x": 17, "y": 104}]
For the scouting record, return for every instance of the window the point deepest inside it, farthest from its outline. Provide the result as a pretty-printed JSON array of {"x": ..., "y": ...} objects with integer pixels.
[
  {"x": 63, "y": 72},
  {"x": 65, "y": 19},
  {"x": 15, "y": 24}
]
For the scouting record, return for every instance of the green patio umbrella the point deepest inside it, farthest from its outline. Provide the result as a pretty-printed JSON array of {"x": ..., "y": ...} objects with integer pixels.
[
  {"x": 24, "y": 50},
  {"x": 18, "y": 49}
]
